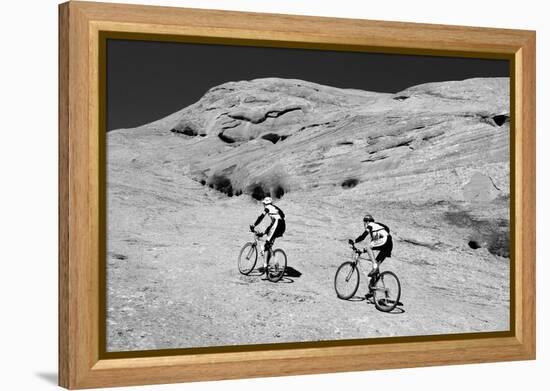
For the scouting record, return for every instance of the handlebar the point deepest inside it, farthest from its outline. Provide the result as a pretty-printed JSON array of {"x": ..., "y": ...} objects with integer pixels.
[
  {"x": 256, "y": 233},
  {"x": 358, "y": 251},
  {"x": 352, "y": 245},
  {"x": 355, "y": 249}
]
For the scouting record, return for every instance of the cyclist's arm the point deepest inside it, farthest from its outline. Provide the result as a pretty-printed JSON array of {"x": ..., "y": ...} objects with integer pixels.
[
  {"x": 367, "y": 249},
  {"x": 260, "y": 218},
  {"x": 362, "y": 237}
]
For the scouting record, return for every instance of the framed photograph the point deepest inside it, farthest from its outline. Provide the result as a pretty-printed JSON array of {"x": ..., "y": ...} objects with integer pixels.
[{"x": 246, "y": 195}]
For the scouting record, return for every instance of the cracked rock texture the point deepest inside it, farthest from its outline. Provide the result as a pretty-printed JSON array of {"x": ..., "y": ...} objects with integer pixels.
[{"x": 432, "y": 162}]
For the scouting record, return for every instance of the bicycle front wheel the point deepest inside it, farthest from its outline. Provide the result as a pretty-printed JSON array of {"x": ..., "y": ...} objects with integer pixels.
[
  {"x": 247, "y": 258},
  {"x": 346, "y": 280},
  {"x": 386, "y": 291},
  {"x": 276, "y": 265}
]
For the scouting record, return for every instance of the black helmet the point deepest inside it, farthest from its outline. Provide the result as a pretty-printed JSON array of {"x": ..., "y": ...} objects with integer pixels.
[{"x": 368, "y": 218}]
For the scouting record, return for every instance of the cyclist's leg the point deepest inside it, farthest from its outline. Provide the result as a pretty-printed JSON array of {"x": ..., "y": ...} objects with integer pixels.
[
  {"x": 269, "y": 240},
  {"x": 376, "y": 265},
  {"x": 384, "y": 250},
  {"x": 373, "y": 258},
  {"x": 381, "y": 256},
  {"x": 279, "y": 231},
  {"x": 374, "y": 271},
  {"x": 273, "y": 234}
]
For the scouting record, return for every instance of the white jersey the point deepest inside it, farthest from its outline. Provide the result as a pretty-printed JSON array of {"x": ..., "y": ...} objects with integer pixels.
[
  {"x": 273, "y": 212},
  {"x": 378, "y": 233}
]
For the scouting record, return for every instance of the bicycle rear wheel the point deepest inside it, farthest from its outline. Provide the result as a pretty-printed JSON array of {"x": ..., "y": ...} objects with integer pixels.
[
  {"x": 276, "y": 265},
  {"x": 346, "y": 280},
  {"x": 247, "y": 258},
  {"x": 386, "y": 291}
]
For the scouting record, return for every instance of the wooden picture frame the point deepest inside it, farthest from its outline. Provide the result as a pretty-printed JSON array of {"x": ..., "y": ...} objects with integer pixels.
[{"x": 81, "y": 363}]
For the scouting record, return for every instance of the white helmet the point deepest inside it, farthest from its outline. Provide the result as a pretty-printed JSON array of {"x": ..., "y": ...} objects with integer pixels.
[{"x": 267, "y": 201}]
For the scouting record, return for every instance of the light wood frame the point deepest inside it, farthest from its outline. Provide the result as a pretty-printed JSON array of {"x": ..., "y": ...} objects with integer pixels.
[{"x": 80, "y": 218}]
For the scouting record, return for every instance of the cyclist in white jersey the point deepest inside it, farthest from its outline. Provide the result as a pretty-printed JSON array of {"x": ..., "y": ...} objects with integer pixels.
[
  {"x": 378, "y": 238},
  {"x": 277, "y": 227}
]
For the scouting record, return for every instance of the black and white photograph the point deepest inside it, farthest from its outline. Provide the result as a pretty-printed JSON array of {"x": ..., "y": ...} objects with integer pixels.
[{"x": 267, "y": 195}]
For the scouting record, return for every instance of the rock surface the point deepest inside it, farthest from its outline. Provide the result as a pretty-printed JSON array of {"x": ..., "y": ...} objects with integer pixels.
[{"x": 432, "y": 162}]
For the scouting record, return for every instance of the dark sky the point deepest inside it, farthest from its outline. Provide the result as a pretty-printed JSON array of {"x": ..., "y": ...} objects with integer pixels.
[{"x": 149, "y": 80}]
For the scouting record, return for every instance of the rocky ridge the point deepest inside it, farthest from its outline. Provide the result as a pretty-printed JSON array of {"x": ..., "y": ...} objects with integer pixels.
[{"x": 311, "y": 136}]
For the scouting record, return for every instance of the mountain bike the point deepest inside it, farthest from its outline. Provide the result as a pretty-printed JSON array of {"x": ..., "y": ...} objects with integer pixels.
[
  {"x": 274, "y": 259},
  {"x": 384, "y": 287}
]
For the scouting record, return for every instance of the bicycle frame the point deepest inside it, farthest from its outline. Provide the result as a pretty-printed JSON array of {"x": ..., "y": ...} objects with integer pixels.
[
  {"x": 356, "y": 257},
  {"x": 258, "y": 240}
]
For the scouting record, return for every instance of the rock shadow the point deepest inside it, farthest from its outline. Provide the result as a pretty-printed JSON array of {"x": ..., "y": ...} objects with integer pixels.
[
  {"x": 492, "y": 234},
  {"x": 350, "y": 183},
  {"x": 187, "y": 128},
  {"x": 259, "y": 191},
  {"x": 222, "y": 184}
]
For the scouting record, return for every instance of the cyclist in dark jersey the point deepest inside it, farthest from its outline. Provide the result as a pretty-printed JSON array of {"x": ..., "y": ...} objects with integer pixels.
[
  {"x": 277, "y": 226},
  {"x": 378, "y": 238}
]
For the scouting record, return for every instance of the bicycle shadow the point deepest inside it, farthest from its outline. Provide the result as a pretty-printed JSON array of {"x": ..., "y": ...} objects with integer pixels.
[
  {"x": 291, "y": 272},
  {"x": 398, "y": 310},
  {"x": 288, "y": 278},
  {"x": 258, "y": 272},
  {"x": 290, "y": 275}
]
